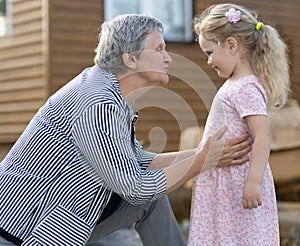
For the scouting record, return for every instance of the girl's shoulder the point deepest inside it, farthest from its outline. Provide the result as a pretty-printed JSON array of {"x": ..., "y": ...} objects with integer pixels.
[
  {"x": 246, "y": 86},
  {"x": 243, "y": 82},
  {"x": 248, "y": 79}
]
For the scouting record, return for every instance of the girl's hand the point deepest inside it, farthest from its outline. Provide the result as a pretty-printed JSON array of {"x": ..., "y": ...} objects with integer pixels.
[{"x": 252, "y": 196}]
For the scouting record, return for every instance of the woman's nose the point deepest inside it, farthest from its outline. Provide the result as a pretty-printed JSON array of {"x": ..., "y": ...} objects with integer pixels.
[{"x": 168, "y": 58}]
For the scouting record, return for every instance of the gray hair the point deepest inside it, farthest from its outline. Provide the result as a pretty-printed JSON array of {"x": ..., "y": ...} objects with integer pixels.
[{"x": 123, "y": 33}]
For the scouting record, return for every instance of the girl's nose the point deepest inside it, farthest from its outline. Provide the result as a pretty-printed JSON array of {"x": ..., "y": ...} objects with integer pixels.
[{"x": 209, "y": 61}]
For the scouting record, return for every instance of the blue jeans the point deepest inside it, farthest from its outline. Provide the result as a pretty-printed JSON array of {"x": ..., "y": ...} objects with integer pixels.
[
  {"x": 4, "y": 242},
  {"x": 154, "y": 222}
]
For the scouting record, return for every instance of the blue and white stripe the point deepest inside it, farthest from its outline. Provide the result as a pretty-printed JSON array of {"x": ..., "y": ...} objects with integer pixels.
[{"x": 76, "y": 151}]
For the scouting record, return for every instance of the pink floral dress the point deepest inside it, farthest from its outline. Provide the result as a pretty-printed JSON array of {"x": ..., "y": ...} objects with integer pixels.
[{"x": 217, "y": 213}]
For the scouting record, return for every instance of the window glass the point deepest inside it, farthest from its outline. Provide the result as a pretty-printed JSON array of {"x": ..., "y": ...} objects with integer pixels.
[
  {"x": 4, "y": 18},
  {"x": 176, "y": 15}
]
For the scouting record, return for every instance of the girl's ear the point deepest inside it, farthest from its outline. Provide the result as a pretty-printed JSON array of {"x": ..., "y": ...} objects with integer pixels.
[
  {"x": 129, "y": 60},
  {"x": 232, "y": 44}
]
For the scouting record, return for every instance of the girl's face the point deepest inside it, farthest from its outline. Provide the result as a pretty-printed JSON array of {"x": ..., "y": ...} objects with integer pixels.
[{"x": 220, "y": 57}]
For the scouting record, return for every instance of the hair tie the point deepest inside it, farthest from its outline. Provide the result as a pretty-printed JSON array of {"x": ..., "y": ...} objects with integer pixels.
[{"x": 258, "y": 26}]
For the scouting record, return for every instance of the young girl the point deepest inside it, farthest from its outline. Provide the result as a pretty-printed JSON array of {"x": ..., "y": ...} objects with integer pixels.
[{"x": 237, "y": 205}]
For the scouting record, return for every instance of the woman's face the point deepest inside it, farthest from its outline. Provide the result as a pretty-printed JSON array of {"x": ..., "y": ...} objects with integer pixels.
[{"x": 153, "y": 63}]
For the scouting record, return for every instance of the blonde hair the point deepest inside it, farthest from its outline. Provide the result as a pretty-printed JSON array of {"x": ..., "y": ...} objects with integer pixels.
[{"x": 266, "y": 50}]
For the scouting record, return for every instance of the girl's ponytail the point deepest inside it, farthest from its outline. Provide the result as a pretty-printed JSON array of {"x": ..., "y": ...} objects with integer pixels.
[{"x": 270, "y": 62}]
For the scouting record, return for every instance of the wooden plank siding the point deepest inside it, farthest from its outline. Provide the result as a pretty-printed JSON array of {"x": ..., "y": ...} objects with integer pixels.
[
  {"x": 74, "y": 27},
  {"x": 22, "y": 69},
  {"x": 53, "y": 40}
]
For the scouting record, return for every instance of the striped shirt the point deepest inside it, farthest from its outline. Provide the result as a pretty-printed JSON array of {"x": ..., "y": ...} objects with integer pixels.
[{"x": 77, "y": 150}]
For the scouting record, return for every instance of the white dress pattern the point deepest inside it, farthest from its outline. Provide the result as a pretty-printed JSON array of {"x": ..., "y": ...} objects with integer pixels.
[{"x": 217, "y": 213}]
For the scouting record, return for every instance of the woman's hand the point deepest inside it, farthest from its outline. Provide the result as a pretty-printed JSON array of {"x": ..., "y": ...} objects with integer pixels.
[{"x": 228, "y": 152}]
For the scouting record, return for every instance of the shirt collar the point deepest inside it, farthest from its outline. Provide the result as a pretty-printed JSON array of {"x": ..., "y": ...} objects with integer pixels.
[{"x": 112, "y": 78}]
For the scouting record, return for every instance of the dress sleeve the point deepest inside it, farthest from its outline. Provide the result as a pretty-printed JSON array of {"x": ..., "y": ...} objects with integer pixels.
[
  {"x": 103, "y": 136},
  {"x": 250, "y": 99}
]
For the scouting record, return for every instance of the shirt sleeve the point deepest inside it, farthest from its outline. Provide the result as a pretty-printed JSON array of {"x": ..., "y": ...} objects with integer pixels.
[
  {"x": 250, "y": 99},
  {"x": 103, "y": 136},
  {"x": 144, "y": 158}
]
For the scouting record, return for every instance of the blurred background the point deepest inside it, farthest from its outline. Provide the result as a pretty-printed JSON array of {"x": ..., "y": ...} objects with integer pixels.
[{"x": 45, "y": 43}]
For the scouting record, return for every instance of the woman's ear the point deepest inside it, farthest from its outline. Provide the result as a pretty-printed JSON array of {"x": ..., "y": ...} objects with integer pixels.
[
  {"x": 129, "y": 60},
  {"x": 232, "y": 44}
]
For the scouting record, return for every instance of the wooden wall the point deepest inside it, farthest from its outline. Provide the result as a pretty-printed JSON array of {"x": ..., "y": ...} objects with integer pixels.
[
  {"x": 22, "y": 69},
  {"x": 53, "y": 40},
  {"x": 74, "y": 27}
]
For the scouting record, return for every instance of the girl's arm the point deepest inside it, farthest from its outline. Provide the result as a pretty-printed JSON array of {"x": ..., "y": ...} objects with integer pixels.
[{"x": 260, "y": 130}]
